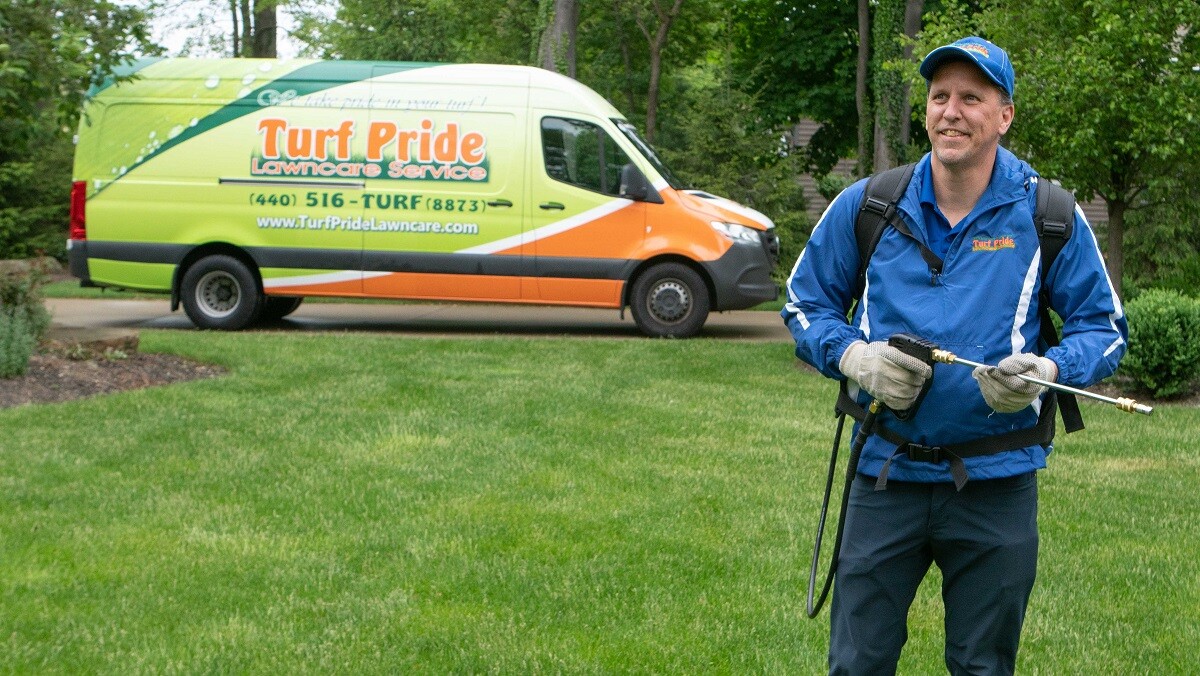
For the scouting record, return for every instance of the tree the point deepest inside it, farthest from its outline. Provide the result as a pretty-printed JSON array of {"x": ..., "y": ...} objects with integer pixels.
[
  {"x": 798, "y": 59},
  {"x": 893, "y": 21},
  {"x": 557, "y": 47},
  {"x": 862, "y": 90},
  {"x": 255, "y": 28},
  {"x": 51, "y": 52},
  {"x": 654, "y": 21},
  {"x": 1108, "y": 96},
  {"x": 499, "y": 31}
]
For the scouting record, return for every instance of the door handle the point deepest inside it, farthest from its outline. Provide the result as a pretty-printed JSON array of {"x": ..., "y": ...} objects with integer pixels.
[
  {"x": 499, "y": 203},
  {"x": 557, "y": 206}
]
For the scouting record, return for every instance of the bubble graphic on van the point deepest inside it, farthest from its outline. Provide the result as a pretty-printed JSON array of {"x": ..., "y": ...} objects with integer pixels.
[
  {"x": 212, "y": 82},
  {"x": 195, "y": 121},
  {"x": 249, "y": 77},
  {"x": 243, "y": 92},
  {"x": 176, "y": 130}
]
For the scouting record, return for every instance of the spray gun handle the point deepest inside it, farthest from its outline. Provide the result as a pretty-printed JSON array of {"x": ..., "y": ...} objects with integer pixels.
[
  {"x": 914, "y": 347},
  {"x": 921, "y": 349}
]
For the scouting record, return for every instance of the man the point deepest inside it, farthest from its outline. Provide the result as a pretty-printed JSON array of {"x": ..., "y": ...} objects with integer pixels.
[{"x": 971, "y": 204}]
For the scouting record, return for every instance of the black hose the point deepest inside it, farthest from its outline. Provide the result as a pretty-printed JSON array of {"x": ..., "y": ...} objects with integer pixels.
[{"x": 864, "y": 432}]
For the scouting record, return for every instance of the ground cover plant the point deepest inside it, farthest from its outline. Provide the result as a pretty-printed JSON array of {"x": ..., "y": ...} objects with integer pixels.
[{"x": 358, "y": 503}]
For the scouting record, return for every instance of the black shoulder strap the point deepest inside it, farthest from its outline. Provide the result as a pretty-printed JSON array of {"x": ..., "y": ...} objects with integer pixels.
[
  {"x": 883, "y": 193},
  {"x": 1054, "y": 218}
]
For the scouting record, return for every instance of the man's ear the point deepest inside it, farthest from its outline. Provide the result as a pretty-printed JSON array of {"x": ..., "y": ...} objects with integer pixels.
[{"x": 1006, "y": 118}]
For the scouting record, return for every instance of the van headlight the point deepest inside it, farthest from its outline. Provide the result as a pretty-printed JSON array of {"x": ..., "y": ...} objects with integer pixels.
[{"x": 737, "y": 232}]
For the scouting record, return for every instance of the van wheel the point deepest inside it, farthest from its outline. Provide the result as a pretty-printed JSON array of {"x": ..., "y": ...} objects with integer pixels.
[
  {"x": 669, "y": 300},
  {"x": 220, "y": 292},
  {"x": 278, "y": 307}
]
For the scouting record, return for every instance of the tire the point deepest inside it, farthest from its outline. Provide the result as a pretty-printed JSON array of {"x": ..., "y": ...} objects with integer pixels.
[
  {"x": 669, "y": 300},
  {"x": 220, "y": 292},
  {"x": 278, "y": 307}
]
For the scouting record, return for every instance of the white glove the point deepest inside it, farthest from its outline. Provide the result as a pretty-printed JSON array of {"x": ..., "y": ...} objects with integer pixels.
[
  {"x": 885, "y": 372},
  {"x": 1004, "y": 391}
]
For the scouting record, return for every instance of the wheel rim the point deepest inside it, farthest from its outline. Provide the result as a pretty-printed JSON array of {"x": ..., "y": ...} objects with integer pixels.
[
  {"x": 218, "y": 294},
  {"x": 670, "y": 301}
]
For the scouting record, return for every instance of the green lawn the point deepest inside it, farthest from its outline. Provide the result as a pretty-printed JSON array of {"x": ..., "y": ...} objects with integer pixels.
[{"x": 358, "y": 503}]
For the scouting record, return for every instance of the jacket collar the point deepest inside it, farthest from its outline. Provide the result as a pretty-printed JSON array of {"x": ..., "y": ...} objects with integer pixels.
[{"x": 1010, "y": 178}]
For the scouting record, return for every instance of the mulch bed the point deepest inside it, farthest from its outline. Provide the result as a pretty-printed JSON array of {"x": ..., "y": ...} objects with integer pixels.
[{"x": 56, "y": 378}]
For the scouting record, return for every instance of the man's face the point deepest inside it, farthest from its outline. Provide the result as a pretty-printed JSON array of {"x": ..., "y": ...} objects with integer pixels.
[{"x": 964, "y": 116}]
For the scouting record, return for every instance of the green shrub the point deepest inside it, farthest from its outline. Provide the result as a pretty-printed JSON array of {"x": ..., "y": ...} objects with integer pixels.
[
  {"x": 23, "y": 317},
  {"x": 1164, "y": 342}
]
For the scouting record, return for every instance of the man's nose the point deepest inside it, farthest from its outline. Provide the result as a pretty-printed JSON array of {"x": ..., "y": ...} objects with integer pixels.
[{"x": 953, "y": 108}]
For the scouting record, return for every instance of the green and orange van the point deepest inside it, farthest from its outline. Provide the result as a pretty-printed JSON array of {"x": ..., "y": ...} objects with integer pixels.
[{"x": 241, "y": 186}]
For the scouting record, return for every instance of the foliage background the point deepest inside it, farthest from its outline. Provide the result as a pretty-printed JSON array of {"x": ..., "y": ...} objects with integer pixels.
[{"x": 1108, "y": 93}]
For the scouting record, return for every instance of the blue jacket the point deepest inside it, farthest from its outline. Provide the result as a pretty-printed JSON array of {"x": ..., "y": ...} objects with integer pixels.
[{"x": 983, "y": 307}]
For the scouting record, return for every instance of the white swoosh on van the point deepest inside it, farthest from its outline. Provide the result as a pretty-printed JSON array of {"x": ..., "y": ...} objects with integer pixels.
[
  {"x": 549, "y": 230},
  {"x": 323, "y": 278}
]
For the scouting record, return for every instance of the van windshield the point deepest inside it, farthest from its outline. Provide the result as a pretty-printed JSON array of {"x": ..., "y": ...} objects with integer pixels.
[{"x": 644, "y": 148}]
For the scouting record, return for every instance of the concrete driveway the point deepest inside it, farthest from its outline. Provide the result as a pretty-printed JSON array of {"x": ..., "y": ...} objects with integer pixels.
[{"x": 412, "y": 319}]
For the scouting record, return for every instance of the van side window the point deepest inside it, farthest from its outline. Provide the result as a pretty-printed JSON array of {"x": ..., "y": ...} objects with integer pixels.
[{"x": 582, "y": 154}]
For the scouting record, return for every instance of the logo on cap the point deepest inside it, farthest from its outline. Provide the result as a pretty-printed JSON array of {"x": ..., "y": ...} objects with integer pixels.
[{"x": 979, "y": 49}]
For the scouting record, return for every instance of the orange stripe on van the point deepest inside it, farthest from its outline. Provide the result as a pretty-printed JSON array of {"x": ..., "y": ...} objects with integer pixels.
[
  {"x": 351, "y": 287},
  {"x": 430, "y": 286}
]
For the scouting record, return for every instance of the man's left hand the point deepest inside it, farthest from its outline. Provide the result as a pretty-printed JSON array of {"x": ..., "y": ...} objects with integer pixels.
[{"x": 1004, "y": 391}]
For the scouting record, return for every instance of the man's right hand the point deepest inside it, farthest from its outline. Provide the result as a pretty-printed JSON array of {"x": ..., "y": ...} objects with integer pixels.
[{"x": 885, "y": 372}]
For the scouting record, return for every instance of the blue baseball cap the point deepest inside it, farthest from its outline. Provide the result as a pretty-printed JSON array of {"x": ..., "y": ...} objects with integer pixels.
[{"x": 991, "y": 60}]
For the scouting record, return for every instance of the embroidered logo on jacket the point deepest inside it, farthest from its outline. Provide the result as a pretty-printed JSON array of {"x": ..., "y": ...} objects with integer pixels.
[{"x": 995, "y": 244}]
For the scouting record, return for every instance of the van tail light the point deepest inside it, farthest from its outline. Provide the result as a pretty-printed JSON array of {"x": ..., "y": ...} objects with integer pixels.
[{"x": 78, "y": 207}]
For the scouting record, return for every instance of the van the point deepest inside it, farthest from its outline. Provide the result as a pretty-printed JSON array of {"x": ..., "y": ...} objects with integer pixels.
[{"x": 242, "y": 186}]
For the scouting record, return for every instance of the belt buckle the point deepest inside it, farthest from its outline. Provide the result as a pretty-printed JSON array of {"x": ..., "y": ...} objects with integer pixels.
[{"x": 922, "y": 453}]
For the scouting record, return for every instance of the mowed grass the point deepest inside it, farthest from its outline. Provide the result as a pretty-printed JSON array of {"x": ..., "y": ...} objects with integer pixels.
[{"x": 355, "y": 503}]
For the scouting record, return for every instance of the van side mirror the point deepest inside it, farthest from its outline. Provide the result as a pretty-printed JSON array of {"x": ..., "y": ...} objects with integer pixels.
[{"x": 634, "y": 186}]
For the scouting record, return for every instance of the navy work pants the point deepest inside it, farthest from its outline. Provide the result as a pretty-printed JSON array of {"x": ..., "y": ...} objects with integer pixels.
[{"x": 984, "y": 539}]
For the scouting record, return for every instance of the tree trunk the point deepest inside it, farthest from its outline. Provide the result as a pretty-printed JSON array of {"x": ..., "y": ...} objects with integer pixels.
[
  {"x": 626, "y": 57},
  {"x": 861, "y": 92},
  {"x": 247, "y": 39},
  {"x": 1115, "y": 255},
  {"x": 657, "y": 42},
  {"x": 558, "y": 42},
  {"x": 652, "y": 96},
  {"x": 912, "y": 26},
  {"x": 264, "y": 30},
  {"x": 237, "y": 36},
  {"x": 886, "y": 27}
]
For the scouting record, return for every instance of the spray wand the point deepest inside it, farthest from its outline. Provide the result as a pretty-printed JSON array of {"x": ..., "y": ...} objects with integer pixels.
[{"x": 1123, "y": 403}]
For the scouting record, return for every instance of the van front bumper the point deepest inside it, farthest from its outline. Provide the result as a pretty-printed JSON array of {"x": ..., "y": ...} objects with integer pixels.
[{"x": 741, "y": 278}]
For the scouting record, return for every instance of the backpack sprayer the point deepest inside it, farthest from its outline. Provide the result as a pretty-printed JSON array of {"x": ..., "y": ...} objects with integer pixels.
[{"x": 929, "y": 353}]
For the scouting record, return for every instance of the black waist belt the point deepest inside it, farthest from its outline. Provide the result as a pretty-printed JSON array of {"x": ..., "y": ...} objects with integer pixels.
[{"x": 1040, "y": 434}]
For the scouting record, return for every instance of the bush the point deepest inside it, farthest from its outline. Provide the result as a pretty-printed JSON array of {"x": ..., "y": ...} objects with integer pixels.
[
  {"x": 23, "y": 317},
  {"x": 1164, "y": 342}
]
